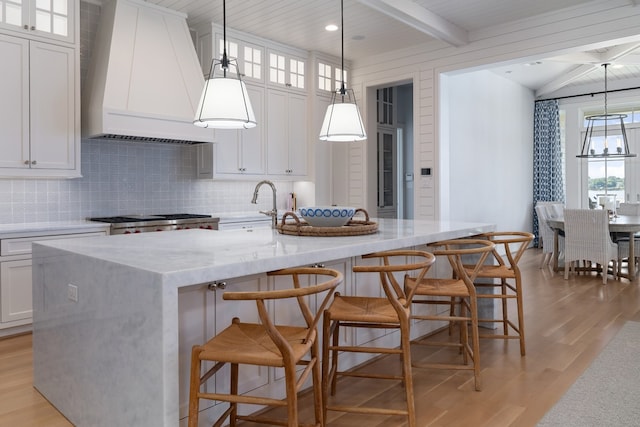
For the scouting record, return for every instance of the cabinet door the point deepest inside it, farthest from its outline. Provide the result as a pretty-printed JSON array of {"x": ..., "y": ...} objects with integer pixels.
[
  {"x": 253, "y": 142},
  {"x": 15, "y": 290},
  {"x": 297, "y": 135},
  {"x": 277, "y": 152},
  {"x": 53, "y": 19},
  {"x": 286, "y": 133},
  {"x": 14, "y": 102},
  {"x": 52, "y": 107},
  {"x": 227, "y": 152}
]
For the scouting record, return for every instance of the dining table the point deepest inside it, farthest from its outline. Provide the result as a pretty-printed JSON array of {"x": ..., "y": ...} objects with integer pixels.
[{"x": 617, "y": 224}]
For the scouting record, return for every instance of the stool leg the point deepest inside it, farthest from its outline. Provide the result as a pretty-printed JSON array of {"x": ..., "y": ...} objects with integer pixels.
[
  {"x": 317, "y": 384},
  {"x": 408, "y": 378},
  {"x": 334, "y": 355},
  {"x": 520, "y": 314},
  {"x": 194, "y": 386},
  {"x": 505, "y": 310},
  {"x": 292, "y": 394},
  {"x": 326, "y": 336},
  {"x": 475, "y": 336},
  {"x": 233, "y": 416}
]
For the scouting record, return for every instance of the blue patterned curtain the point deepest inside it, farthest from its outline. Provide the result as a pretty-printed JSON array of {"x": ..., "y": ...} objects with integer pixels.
[{"x": 547, "y": 157}]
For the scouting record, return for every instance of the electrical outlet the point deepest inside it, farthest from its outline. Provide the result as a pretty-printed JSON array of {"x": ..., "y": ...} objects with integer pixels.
[{"x": 72, "y": 293}]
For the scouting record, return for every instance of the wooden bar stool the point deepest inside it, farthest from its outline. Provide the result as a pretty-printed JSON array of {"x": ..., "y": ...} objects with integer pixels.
[
  {"x": 508, "y": 285},
  {"x": 461, "y": 294},
  {"x": 267, "y": 344},
  {"x": 389, "y": 312}
]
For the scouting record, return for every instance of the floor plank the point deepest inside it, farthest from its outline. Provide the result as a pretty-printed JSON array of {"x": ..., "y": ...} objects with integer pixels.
[{"x": 567, "y": 324}]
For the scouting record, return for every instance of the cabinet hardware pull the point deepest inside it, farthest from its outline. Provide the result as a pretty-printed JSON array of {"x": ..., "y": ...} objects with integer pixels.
[
  {"x": 33, "y": 27},
  {"x": 317, "y": 265},
  {"x": 33, "y": 162},
  {"x": 26, "y": 27},
  {"x": 26, "y": 162},
  {"x": 216, "y": 285}
]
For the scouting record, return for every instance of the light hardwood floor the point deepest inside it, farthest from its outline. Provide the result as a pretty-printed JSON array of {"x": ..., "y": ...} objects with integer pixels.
[{"x": 567, "y": 323}]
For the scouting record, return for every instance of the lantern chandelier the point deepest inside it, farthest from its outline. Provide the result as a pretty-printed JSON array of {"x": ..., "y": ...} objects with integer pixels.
[
  {"x": 224, "y": 102},
  {"x": 342, "y": 121},
  {"x": 611, "y": 146}
]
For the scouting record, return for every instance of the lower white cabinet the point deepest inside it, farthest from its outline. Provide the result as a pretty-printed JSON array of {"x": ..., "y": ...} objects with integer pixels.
[
  {"x": 15, "y": 292},
  {"x": 15, "y": 279}
]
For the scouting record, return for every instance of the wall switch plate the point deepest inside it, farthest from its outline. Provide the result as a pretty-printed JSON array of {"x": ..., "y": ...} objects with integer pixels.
[{"x": 72, "y": 293}]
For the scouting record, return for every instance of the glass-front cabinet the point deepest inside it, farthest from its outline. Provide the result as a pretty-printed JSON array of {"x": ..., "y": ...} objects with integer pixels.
[{"x": 46, "y": 18}]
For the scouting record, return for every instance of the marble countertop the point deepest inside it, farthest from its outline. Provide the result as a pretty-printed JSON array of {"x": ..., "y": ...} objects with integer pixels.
[
  {"x": 189, "y": 257},
  {"x": 31, "y": 228}
]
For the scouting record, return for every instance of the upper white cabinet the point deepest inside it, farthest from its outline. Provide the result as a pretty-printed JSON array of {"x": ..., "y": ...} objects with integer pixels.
[
  {"x": 237, "y": 153},
  {"x": 286, "y": 71},
  {"x": 38, "y": 116},
  {"x": 278, "y": 82},
  {"x": 286, "y": 133},
  {"x": 51, "y": 19}
]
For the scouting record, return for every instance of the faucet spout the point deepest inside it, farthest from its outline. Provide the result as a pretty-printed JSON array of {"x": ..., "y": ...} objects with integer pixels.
[{"x": 273, "y": 213}]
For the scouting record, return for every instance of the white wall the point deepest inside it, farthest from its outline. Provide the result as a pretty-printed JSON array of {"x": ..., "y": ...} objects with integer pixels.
[{"x": 490, "y": 144}]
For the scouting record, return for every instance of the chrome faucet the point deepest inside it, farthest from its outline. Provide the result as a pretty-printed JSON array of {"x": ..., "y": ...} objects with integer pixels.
[{"x": 273, "y": 213}]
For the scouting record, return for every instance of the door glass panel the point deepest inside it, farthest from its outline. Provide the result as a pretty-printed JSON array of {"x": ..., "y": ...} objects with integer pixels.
[
  {"x": 59, "y": 25},
  {"x": 43, "y": 22},
  {"x": 13, "y": 14},
  {"x": 60, "y": 7},
  {"x": 43, "y": 5}
]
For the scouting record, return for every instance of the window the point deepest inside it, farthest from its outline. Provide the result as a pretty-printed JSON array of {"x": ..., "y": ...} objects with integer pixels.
[{"x": 232, "y": 49}]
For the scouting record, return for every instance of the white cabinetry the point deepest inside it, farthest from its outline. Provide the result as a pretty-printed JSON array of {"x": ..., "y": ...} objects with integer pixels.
[
  {"x": 51, "y": 19},
  {"x": 286, "y": 133},
  {"x": 38, "y": 136},
  {"x": 236, "y": 152},
  {"x": 15, "y": 279}
]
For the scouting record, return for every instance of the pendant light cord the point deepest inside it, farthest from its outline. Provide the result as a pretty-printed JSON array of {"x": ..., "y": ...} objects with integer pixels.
[
  {"x": 343, "y": 90},
  {"x": 225, "y": 59}
]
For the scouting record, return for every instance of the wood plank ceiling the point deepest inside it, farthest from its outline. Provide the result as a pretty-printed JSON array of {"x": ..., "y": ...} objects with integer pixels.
[{"x": 378, "y": 26}]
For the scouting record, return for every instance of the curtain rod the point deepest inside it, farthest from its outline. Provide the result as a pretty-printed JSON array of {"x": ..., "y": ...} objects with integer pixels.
[{"x": 587, "y": 94}]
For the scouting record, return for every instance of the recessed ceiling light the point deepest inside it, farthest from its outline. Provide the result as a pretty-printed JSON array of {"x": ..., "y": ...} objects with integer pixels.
[
  {"x": 331, "y": 27},
  {"x": 530, "y": 64},
  {"x": 358, "y": 37},
  {"x": 616, "y": 66}
]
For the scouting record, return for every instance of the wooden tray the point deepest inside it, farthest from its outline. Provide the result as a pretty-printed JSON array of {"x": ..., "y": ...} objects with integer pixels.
[{"x": 353, "y": 228}]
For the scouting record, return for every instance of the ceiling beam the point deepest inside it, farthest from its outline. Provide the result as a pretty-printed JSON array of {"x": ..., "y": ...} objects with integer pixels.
[
  {"x": 565, "y": 79},
  {"x": 421, "y": 19},
  {"x": 617, "y": 52}
]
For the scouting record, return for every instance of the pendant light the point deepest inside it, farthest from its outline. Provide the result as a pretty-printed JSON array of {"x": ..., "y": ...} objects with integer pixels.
[
  {"x": 595, "y": 147},
  {"x": 224, "y": 102},
  {"x": 342, "y": 121}
]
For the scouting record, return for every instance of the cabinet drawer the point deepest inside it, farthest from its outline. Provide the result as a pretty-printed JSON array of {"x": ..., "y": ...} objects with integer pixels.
[{"x": 22, "y": 245}]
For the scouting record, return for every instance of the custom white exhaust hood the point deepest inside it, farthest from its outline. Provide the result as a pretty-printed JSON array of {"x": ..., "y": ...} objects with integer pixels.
[{"x": 144, "y": 79}]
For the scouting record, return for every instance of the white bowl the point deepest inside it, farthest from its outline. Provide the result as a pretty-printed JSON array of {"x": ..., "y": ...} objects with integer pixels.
[{"x": 327, "y": 216}]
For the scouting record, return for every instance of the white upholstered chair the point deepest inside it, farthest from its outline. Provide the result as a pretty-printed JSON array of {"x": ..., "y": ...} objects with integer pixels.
[
  {"x": 627, "y": 208},
  {"x": 547, "y": 233},
  {"x": 587, "y": 237}
]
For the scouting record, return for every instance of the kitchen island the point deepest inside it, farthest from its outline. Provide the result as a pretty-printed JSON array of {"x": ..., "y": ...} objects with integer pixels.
[{"x": 109, "y": 323}]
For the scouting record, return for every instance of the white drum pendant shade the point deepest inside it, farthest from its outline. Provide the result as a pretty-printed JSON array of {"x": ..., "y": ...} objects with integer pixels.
[
  {"x": 225, "y": 104},
  {"x": 342, "y": 123}
]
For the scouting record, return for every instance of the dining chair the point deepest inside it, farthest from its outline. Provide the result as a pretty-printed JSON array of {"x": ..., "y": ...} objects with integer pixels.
[
  {"x": 389, "y": 312},
  {"x": 454, "y": 291},
  {"x": 628, "y": 208},
  {"x": 500, "y": 279},
  {"x": 544, "y": 212},
  {"x": 587, "y": 237},
  {"x": 267, "y": 344}
]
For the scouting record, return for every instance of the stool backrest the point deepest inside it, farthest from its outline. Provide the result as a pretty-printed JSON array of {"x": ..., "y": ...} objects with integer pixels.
[
  {"x": 393, "y": 262},
  {"x": 298, "y": 292},
  {"x": 474, "y": 252}
]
